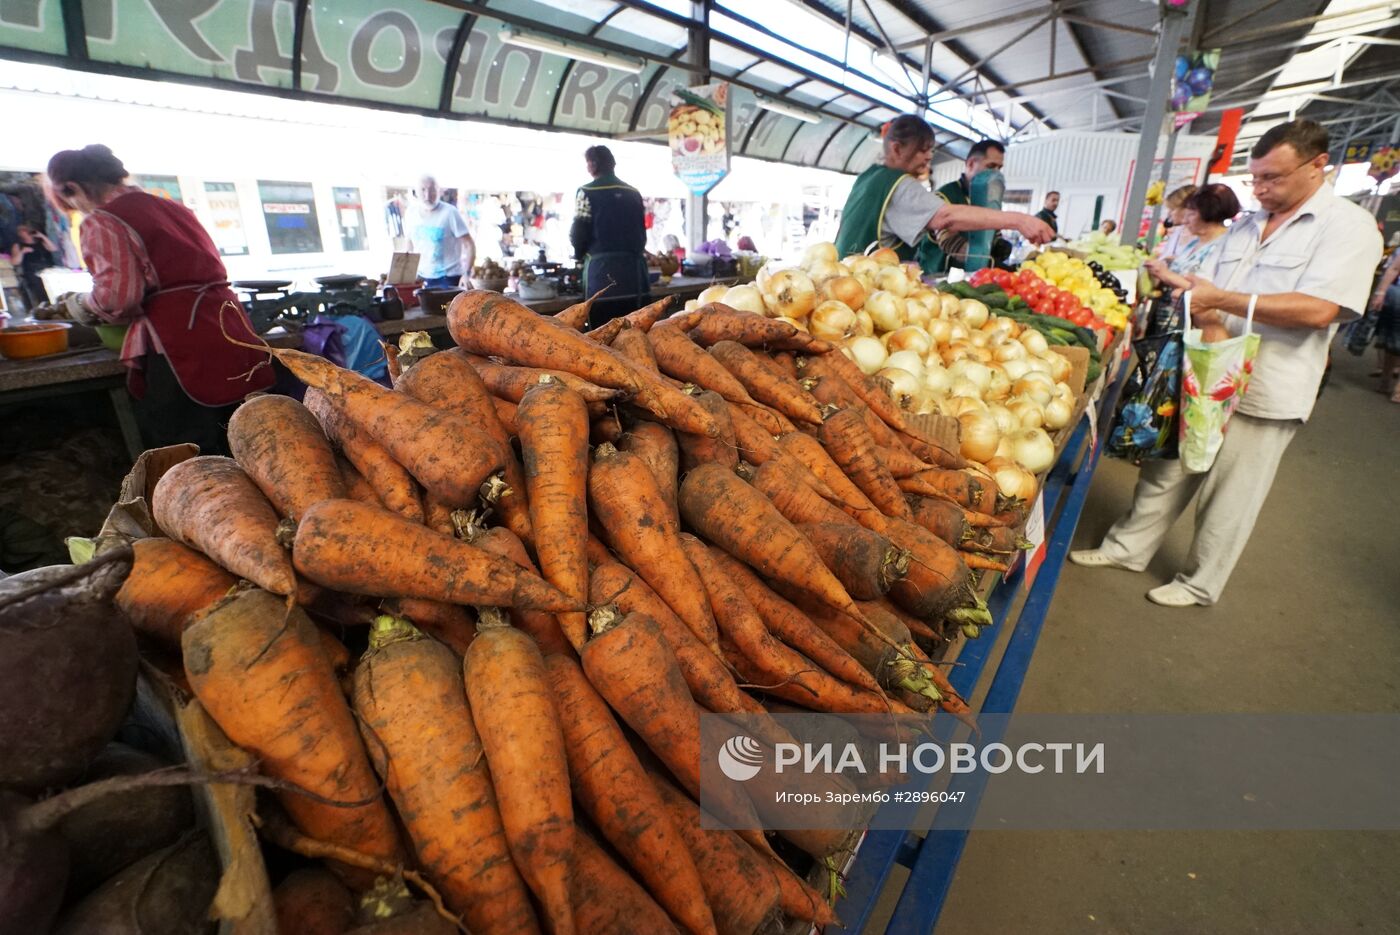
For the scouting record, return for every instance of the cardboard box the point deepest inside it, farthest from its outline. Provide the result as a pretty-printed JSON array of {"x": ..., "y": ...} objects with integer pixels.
[{"x": 1079, "y": 366}]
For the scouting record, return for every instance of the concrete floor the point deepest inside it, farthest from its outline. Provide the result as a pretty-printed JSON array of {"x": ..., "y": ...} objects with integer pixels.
[{"x": 1310, "y": 622}]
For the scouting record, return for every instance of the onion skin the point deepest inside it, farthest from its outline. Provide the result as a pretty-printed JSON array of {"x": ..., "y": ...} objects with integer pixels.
[
  {"x": 790, "y": 293},
  {"x": 832, "y": 321},
  {"x": 1032, "y": 449},
  {"x": 978, "y": 435},
  {"x": 846, "y": 289}
]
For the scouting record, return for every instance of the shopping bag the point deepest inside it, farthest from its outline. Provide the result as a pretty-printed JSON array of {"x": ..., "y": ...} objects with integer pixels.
[
  {"x": 1214, "y": 377},
  {"x": 1145, "y": 425}
]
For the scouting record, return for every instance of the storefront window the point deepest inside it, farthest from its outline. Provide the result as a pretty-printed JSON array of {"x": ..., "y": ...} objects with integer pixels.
[
  {"x": 350, "y": 218},
  {"x": 224, "y": 218},
  {"x": 289, "y": 209}
]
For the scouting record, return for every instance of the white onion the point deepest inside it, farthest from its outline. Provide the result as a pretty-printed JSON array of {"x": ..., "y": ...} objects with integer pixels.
[
  {"x": 984, "y": 354},
  {"x": 823, "y": 252},
  {"x": 978, "y": 435},
  {"x": 1013, "y": 481},
  {"x": 1005, "y": 420},
  {"x": 956, "y": 406},
  {"x": 1062, "y": 391},
  {"x": 714, "y": 293},
  {"x": 886, "y": 310},
  {"x": 958, "y": 331},
  {"x": 859, "y": 264},
  {"x": 911, "y": 361},
  {"x": 949, "y": 303},
  {"x": 973, "y": 312},
  {"x": 1060, "y": 367},
  {"x": 845, "y": 288},
  {"x": 1010, "y": 350},
  {"x": 692, "y": 305},
  {"x": 892, "y": 280},
  {"x": 977, "y": 374},
  {"x": 937, "y": 379},
  {"x": 1057, "y": 414},
  {"x": 745, "y": 299},
  {"x": 1029, "y": 413},
  {"x": 954, "y": 352},
  {"x": 1036, "y": 391},
  {"x": 940, "y": 331},
  {"x": 902, "y": 382},
  {"x": 916, "y": 311},
  {"x": 832, "y": 321},
  {"x": 999, "y": 325},
  {"x": 962, "y": 386},
  {"x": 1038, "y": 364},
  {"x": 1032, "y": 449},
  {"x": 868, "y": 353},
  {"x": 926, "y": 404},
  {"x": 999, "y": 386},
  {"x": 910, "y": 338},
  {"x": 1016, "y": 369},
  {"x": 1034, "y": 341},
  {"x": 864, "y": 323},
  {"x": 790, "y": 294},
  {"x": 799, "y": 325},
  {"x": 885, "y": 256},
  {"x": 979, "y": 339},
  {"x": 823, "y": 270}
]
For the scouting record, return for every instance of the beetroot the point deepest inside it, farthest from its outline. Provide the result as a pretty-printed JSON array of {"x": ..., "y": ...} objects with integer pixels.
[
  {"x": 166, "y": 893},
  {"x": 67, "y": 669},
  {"x": 33, "y": 870}
]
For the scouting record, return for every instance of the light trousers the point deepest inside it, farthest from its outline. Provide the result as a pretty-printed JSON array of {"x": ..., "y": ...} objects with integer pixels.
[{"x": 1231, "y": 494}]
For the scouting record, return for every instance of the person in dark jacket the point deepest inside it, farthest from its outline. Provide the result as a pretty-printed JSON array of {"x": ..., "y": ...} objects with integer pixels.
[
  {"x": 609, "y": 235},
  {"x": 1047, "y": 213}
]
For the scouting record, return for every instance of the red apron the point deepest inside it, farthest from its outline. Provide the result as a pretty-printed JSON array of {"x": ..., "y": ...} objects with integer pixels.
[{"x": 185, "y": 309}]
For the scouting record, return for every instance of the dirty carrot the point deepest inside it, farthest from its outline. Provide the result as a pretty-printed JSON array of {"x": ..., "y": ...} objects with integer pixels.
[
  {"x": 282, "y": 448},
  {"x": 390, "y": 481},
  {"x": 641, "y": 320},
  {"x": 607, "y": 901},
  {"x": 865, "y": 562},
  {"x": 682, "y": 358},
  {"x": 958, "y": 487},
  {"x": 167, "y": 586},
  {"x": 544, "y": 627},
  {"x": 846, "y": 439},
  {"x": 655, "y": 444},
  {"x": 699, "y": 449},
  {"x": 981, "y": 562},
  {"x": 718, "y": 322},
  {"x": 511, "y": 383},
  {"x": 796, "y": 500},
  {"x": 785, "y": 395},
  {"x": 848, "y": 496},
  {"x": 633, "y": 344},
  {"x": 356, "y": 487},
  {"x": 576, "y": 315},
  {"x": 505, "y": 411}
]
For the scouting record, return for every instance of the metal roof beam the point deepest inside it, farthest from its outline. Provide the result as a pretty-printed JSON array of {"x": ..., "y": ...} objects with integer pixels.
[
  {"x": 1121, "y": 63},
  {"x": 1301, "y": 90},
  {"x": 975, "y": 67},
  {"x": 1105, "y": 24},
  {"x": 943, "y": 35},
  {"x": 1295, "y": 24}
]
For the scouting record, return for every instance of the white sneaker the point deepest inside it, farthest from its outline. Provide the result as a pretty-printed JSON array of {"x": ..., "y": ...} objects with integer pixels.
[
  {"x": 1173, "y": 594},
  {"x": 1094, "y": 558}
]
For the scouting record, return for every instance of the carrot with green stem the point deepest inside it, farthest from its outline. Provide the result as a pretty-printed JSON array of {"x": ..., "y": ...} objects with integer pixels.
[
  {"x": 655, "y": 444},
  {"x": 167, "y": 586},
  {"x": 951, "y": 701},
  {"x": 209, "y": 504},
  {"x": 784, "y": 395},
  {"x": 390, "y": 481},
  {"x": 938, "y": 584},
  {"x": 259, "y": 670},
  {"x": 448, "y": 381},
  {"x": 282, "y": 448},
  {"x": 641, "y": 320},
  {"x": 553, "y": 424},
  {"x": 846, "y": 439},
  {"x": 513, "y": 708},
  {"x": 699, "y": 449},
  {"x": 610, "y": 783},
  {"x": 451, "y": 625},
  {"x": 866, "y": 563},
  {"x": 828, "y": 695},
  {"x": 358, "y": 549},
  {"x": 607, "y": 901},
  {"x": 682, "y": 358},
  {"x": 423, "y": 740}
]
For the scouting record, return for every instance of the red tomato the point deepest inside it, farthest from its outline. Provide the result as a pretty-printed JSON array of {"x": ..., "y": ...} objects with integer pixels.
[
  {"x": 1065, "y": 303},
  {"x": 1003, "y": 278},
  {"x": 981, "y": 277},
  {"x": 1081, "y": 316}
]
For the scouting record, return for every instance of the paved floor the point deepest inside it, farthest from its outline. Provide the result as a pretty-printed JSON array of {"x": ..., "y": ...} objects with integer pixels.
[{"x": 1310, "y": 622}]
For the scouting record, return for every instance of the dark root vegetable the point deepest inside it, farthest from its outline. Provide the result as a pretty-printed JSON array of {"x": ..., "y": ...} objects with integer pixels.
[
  {"x": 165, "y": 893},
  {"x": 67, "y": 669},
  {"x": 313, "y": 901},
  {"x": 33, "y": 870}
]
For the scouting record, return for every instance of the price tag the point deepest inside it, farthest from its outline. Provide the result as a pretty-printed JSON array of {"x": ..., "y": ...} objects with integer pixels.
[
  {"x": 1092, "y": 412},
  {"x": 1035, "y": 535}
]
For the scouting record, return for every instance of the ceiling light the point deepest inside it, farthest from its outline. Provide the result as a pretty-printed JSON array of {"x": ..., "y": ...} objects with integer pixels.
[
  {"x": 788, "y": 110},
  {"x": 555, "y": 47}
]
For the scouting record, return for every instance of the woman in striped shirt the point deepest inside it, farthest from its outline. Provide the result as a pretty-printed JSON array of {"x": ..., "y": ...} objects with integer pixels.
[{"x": 155, "y": 268}]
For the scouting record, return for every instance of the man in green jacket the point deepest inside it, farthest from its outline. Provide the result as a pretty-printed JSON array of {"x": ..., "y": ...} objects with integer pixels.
[{"x": 890, "y": 205}]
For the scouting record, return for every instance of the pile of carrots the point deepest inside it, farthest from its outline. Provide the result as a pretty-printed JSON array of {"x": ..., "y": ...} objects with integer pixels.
[{"x": 558, "y": 550}]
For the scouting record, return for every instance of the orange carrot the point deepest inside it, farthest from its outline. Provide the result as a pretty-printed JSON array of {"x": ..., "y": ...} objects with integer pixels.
[
  {"x": 772, "y": 421},
  {"x": 799, "y": 900},
  {"x": 576, "y": 315},
  {"x": 682, "y": 358},
  {"x": 607, "y": 901},
  {"x": 542, "y": 626},
  {"x": 512, "y": 382},
  {"x": 938, "y": 579},
  {"x": 609, "y": 782},
  {"x": 698, "y": 449},
  {"x": 641, "y": 320},
  {"x": 656, "y": 445},
  {"x": 633, "y": 344},
  {"x": 167, "y": 586},
  {"x": 356, "y": 487},
  {"x": 259, "y": 670},
  {"x": 899, "y": 462},
  {"x": 951, "y": 701},
  {"x": 606, "y": 428},
  {"x": 848, "y": 496},
  {"x": 209, "y": 504},
  {"x": 358, "y": 549},
  {"x": 450, "y": 624},
  {"x": 812, "y": 691},
  {"x": 448, "y": 381},
  {"x": 994, "y": 540},
  {"x": 390, "y": 481},
  {"x": 865, "y": 562},
  {"x": 437, "y": 516},
  {"x": 718, "y": 322},
  {"x": 943, "y": 518},
  {"x": 846, "y": 439},
  {"x": 282, "y": 448},
  {"x": 829, "y": 388},
  {"x": 786, "y": 362},
  {"x": 637, "y": 525},
  {"x": 917, "y": 628},
  {"x": 553, "y": 423},
  {"x": 505, "y": 411},
  {"x": 796, "y": 500},
  {"x": 423, "y": 741},
  {"x": 756, "y": 444},
  {"x": 956, "y": 486},
  {"x": 784, "y": 395},
  {"x": 741, "y": 886},
  {"x": 981, "y": 562},
  {"x": 513, "y": 708}
]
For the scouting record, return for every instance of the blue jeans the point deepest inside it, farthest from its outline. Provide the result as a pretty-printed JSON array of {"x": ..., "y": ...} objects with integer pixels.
[{"x": 442, "y": 282}]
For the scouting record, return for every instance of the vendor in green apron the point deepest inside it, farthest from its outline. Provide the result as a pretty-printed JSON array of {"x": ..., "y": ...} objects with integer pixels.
[
  {"x": 891, "y": 206},
  {"x": 609, "y": 234}
]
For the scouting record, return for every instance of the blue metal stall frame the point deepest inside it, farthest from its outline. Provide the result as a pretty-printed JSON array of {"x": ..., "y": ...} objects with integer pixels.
[{"x": 932, "y": 859}]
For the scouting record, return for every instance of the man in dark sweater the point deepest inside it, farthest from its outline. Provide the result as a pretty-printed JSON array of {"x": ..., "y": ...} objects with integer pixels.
[
  {"x": 1047, "y": 213},
  {"x": 609, "y": 235}
]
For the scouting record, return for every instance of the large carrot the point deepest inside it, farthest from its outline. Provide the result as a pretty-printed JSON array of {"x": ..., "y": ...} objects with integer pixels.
[
  {"x": 636, "y": 523},
  {"x": 765, "y": 386},
  {"x": 553, "y": 423},
  {"x": 609, "y": 782},
  {"x": 422, "y": 739},
  {"x": 258, "y": 668},
  {"x": 865, "y": 562},
  {"x": 391, "y": 482},
  {"x": 957, "y": 487},
  {"x": 847, "y": 495},
  {"x": 943, "y": 518},
  {"x": 741, "y": 886},
  {"x": 633, "y": 344},
  {"x": 356, "y": 487},
  {"x": 607, "y": 901},
  {"x": 655, "y": 444},
  {"x": 951, "y": 701},
  {"x": 846, "y": 439},
  {"x": 799, "y": 900},
  {"x": 641, "y": 320},
  {"x": 937, "y": 583},
  {"x": 682, "y": 358},
  {"x": 757, "y": 445},
  {"x": 743, "y": 522},
  {"x": 794, "y": 628},
  {"x": 830, "y": 388},
  {"x": 450, "y": 624},
  {"x": 899, "y": 461},
  {"x": 209, "y": 504},
  {"x": 506, "y": 412},
  {"x": 718, "y": 322},
  {"x": 167, "y": 586},
  {"x": 771, "y": 420},
  {"x": 700, "y": 449},
  {"x": 795, "y": 499},
  {"x": 355, "y": 548},
  {"x": 448, "y": 381},
  {"x": 283, "y": 449},
  {"x": 544, "y": 627},
  {"x": 513, "y": 707},
  {"x": 512, "y": 383},
  {"x": 814, "y": 691}
]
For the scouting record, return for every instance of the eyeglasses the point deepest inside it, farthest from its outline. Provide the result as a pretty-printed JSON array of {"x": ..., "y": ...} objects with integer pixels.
[{"x": 1268, "y": 181}]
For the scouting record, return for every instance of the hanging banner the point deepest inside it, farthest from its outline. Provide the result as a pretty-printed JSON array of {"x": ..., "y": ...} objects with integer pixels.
[
  {"x": 1385, "y": 163},
  {"x": 223, "y": 217},
  {"x": 1358, "y": 151},
  {"x": 1224, "y": 153},
  {"x": 1192, "y": 82},
  {"x": 699, "y": 135}
]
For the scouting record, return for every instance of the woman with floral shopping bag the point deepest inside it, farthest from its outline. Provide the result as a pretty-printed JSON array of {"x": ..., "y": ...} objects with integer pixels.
[{"x": 1289, "y": 275}]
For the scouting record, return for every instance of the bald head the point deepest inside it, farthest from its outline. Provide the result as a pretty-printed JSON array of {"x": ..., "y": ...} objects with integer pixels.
[{"x": 428, "y": 190}]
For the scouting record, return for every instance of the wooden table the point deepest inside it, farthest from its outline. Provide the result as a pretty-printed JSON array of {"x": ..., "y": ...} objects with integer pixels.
[{"x": 97, "y": 369}]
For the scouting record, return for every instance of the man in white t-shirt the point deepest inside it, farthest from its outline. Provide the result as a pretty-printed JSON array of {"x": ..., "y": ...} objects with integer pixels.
[
  {"x": 438, "y": 233},
  {"x": 1308, "y": 256}
]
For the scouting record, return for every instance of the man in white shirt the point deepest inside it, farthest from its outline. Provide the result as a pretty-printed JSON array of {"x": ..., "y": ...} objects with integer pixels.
[
  {"x": 438, "y": 233},
  {"x": 1308, "y": 256}
]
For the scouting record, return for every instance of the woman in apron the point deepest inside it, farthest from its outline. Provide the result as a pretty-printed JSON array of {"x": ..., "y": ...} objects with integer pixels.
[{"x": 155, "y": 268}]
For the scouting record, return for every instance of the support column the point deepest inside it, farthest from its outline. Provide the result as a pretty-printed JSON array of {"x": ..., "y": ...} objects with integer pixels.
[
  {"x": 1172, "y": 27},
  {"x": 697, "y": 55},
  {"x": 1166, "y": 176}
]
